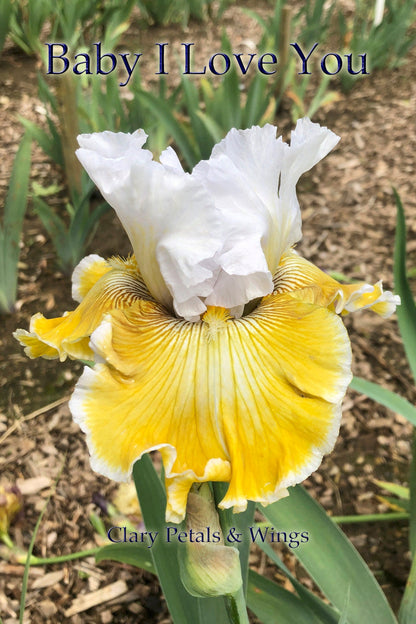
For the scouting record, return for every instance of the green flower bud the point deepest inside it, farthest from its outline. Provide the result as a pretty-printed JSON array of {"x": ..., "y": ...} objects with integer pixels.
[{"x": 207, "y": 566}]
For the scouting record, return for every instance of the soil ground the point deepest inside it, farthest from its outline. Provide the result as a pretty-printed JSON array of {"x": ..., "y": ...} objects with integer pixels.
[{"x": 348, "y": 226}]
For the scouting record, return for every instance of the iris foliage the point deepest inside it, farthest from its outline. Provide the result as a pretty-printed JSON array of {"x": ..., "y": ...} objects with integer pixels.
[{"x": 198, "y": 116}]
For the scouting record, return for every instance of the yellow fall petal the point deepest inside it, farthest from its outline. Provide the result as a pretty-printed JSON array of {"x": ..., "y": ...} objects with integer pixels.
[
  {"x": 10, "y": 504},
  {"x": 86, "y": 274},
  {"x": 305, "y": 281},
  {"x": 254, "y": 401},
  {"x": 69, "y": 334}
]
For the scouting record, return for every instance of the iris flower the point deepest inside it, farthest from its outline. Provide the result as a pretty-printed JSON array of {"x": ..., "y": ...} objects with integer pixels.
[{"x": 215, "y": 343}]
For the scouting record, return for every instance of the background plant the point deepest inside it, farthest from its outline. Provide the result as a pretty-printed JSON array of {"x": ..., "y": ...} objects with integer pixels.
[
  {"x": 6, "y": 13},
  {"x": 311, "y": 23},
  {"x": 78, "y": 22},
  {"x": 386, "y": 43},
  {"x": 11, "y": 228},
  {"x": 26, "y": 23},
  {"x": 196, "y": 114},
  {"x": 163, "y": 12},
  {"x": 74, "y": 108},
  {"x": 85, "y": 21},
  {"x": 205, "y": 112},
  {"x": 72, "y": 226},
  {"x": 88, "y": 105}
]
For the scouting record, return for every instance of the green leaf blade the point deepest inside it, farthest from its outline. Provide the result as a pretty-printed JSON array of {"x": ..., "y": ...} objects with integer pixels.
[
  {"x": 408, "y": 605},
  {"x": 273, "y": 604},
  {"x": 385, "y": 397},
  {"x": 137, "y": 555},
  {"x": 184, "y": 608},
  {"x": 406, "y": 312},
  {"x": 164, "y": 112},
  {"x": 5, "y": 12},
  {"x": 14, "y": 212},
  {"x": 330, "y": 559},
  {"x": 325, "y": 613}
]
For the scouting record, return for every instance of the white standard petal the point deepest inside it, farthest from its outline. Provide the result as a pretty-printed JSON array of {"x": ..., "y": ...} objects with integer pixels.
[
  {"x": 242, "y": 178},
  {"x": 216, "y": 236},
  {"x": 309, "y": 143},
  {"x": 169, "y": 158},
  {"x": 252, "y": 178},
  {"x": 168, "y": 215}
]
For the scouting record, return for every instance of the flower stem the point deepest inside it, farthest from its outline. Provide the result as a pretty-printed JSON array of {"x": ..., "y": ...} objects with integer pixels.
[
  {"x": 381, "y": 517},
  {"x": 61, "y": 559},
  {"x": 236, "y": 607},
  {"x": 236, "y": 603},
  {"x": 5, "y": 538}
]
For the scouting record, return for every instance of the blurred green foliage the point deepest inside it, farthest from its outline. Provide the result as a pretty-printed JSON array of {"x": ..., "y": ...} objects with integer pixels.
[
  {"x": 12, "y": 224},
  {"x": 197, "y": 113}
]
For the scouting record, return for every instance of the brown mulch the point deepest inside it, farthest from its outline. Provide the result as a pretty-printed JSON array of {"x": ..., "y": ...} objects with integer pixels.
[{"x": 348, "y": 226}]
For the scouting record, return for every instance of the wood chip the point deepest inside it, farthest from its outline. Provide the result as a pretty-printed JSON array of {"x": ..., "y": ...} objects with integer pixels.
[
  {"x": 34, "y": 414},
  {"x": 34, "y": 485},
  {"x": 82, "y": 603},
  {"x": 48, "y": 580},
  {"x": 47, "y": 608},
  {"x": 106, "y": 617},
  {"x": 9, "y": 569}
]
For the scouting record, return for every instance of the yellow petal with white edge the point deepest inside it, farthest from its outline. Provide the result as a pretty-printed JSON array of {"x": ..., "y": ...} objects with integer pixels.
[
  {"x": 69, "y": 334},
  {"x": 87, "y": 273},
  {"x": 91, "y": 268},
  {"x": 305, "y": 281},
  {"x": 255, "y": 401}
]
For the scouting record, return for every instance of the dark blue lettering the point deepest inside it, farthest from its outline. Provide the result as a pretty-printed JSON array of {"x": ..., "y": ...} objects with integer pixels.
[
  {"x": 101, "y": 56},
  {"x": 226, "y": 62},
  {"x": 86, "y": 62},
  {"x": 161, "y": 58},
  {"x": 262, "y": 62},
  {"x": 116, "y": 541},
  {"x": 324, "y": 67},
  {"x": 128, "y": 67},
  {"x": 52, "y": 56},
  {"x": 363, "y": 69},
  {"x": 244, "y": 68},
  {"x": 303, "y": 58},
  {"x": 188, "y": 60}
]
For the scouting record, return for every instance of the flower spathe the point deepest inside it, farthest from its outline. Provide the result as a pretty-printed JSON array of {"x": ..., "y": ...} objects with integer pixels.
[{"x": 215, "y": 343}]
